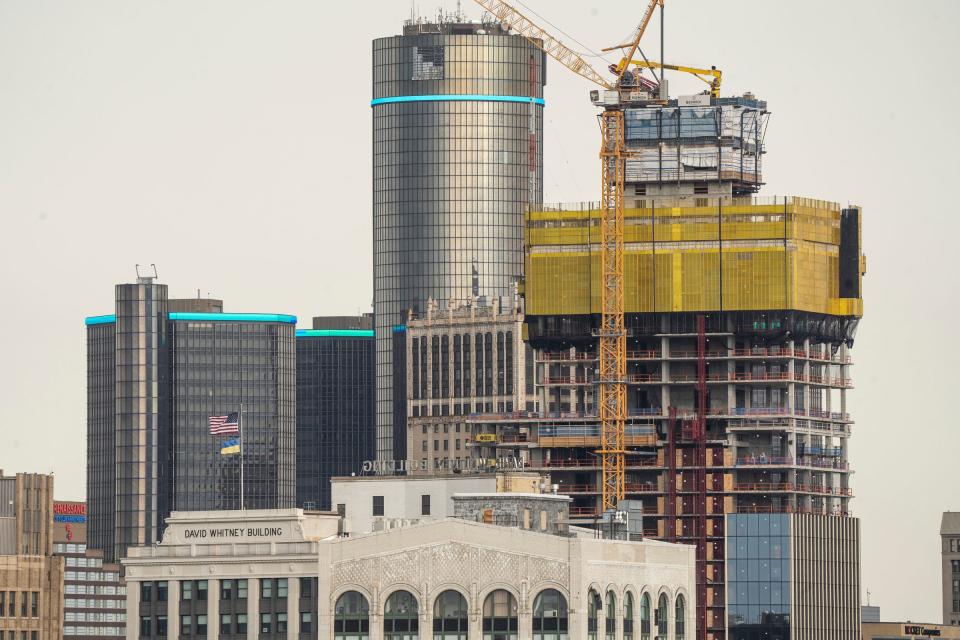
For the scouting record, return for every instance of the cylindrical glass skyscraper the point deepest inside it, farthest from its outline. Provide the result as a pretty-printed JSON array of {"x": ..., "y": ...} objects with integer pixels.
[{"x": 457, "y": 156}]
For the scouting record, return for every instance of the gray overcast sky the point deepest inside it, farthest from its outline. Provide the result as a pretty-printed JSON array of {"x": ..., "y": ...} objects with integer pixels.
[{"x": 229, "y": 143}]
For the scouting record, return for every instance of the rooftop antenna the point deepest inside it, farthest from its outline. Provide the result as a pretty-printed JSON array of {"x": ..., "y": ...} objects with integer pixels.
[{"x": 146, "y": 277}]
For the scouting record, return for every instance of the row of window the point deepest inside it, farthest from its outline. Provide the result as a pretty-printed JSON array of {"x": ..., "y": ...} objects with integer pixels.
[
  {"x": 230, "y": 624},
  {"x": 24, "y": 635},
  {"x": 82, "y": 561},
  {"x": 436, "y": 445},
  {"x": 29, "y": 602},
  {"x": 91, "y": 590},
  {"x": 660, "y": 621},
  {"x": 151, "y": 591},
  {"x": 90, "y": 576},
  {"x": 501, "y": 616},
  {"x": 74, "y": 616},
  {"x": 93, "y": 603},
  {"x": 69, "y": 547},
  {"x": 465, "y": 408},
  {"x": 71, "y": 630},
  {"x": 431, "y": 365}
]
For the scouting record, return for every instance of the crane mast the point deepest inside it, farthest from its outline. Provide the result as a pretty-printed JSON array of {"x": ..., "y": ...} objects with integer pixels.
[{"x": 612, "y": 336}]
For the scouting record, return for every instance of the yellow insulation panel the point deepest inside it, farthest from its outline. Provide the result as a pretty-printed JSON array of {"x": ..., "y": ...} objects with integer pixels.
[{"x": 773, "y": 257}]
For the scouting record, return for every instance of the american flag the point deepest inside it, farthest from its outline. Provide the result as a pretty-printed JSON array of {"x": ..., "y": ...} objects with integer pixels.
[{"x": 224, "y": 425}]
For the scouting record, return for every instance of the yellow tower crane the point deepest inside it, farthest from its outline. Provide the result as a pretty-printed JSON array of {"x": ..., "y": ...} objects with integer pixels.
[
  {"x": 612, "y": 391},
  {"x": 700, "y": 74}
]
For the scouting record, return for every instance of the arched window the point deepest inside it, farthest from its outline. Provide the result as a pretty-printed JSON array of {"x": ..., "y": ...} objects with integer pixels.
[
  {"x": 550, "y": 616},
  {"x": 400, "y": 620},
  {"x": 450, "y": 616},
  {"x": 661, "y": 617},
  {"x": 500, "y": 616},
  {"x": 351, "y": 617},
  {"x": 645, "y": 606},
  {"x": 593, "y": 606},
  {"x": 628, "y": 617},
  {"x": 610, "y": 616},
  {"x": 680, "y": 626}
]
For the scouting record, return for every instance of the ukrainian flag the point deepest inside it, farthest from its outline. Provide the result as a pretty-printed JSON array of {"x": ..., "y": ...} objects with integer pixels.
[{"x": 230, "y": 447}]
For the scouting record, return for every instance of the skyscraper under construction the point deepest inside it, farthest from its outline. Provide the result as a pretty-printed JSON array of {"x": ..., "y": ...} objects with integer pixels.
[
  {"x": 457, "y": 158},
  {"x": 740, "y": 313}
]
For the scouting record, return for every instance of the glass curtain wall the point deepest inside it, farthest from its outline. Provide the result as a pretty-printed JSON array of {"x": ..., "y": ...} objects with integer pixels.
[{"x": 457, "y": 156}]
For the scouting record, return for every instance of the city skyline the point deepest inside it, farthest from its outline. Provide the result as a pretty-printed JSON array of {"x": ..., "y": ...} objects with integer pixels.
[{"x": 70, "y": 169}]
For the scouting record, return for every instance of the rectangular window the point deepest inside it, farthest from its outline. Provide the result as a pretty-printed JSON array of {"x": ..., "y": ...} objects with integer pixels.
[
  {"x": 226, "y": 589},
  {"x": 186, "y": 625},
  {"x": 226, "y": 624},
  {"x": 162, "y": 626},
  {"x": 241, "y": 589},
  {"x": 425, "y": 505},
  {"x": 145, "y": 627},
  {"x": 201, "y": 589},
  {"x": 202, "y": 624},
  {"x": 306, "y": 587},
  {"x": 281, "y": 623},
  {"x": 23, "y": 604},
  {"x": 3, "y": 603},
  {"x": 162, "y": 591},
  {"x": 186, "y": 590},
  {"x": 241, "y": 624},
  {"x": 306, "y": 622},
  {"x": 282, "y": 588},
  {"x": 266, "y": 622},
  {"x": 34, "y": 604},
  {"x": 378, "y": 505},
  {"x": 266, "y": 587}
]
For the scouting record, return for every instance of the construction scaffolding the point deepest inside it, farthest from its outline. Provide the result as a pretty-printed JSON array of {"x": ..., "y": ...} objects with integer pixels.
[
  {"x": 707, "y": 254},
  {"x": 698, "y": 140}
]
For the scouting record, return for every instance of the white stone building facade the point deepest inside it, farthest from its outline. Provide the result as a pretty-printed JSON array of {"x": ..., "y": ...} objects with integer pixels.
[{"x": 448, "y": 579}]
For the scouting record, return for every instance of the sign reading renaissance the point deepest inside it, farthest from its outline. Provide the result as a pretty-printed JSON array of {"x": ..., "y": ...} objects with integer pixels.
[{"x": 73, "y": 512}]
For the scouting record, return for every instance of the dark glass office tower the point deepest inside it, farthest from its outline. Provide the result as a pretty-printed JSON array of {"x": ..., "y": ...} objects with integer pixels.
[
  {"x": 335, "y": 404},
  {"x": 154, "y": 378},
  {"x": 126, "y": 446},
  {"x": 457, "y": 147},
  {"x": 221, "y": 363}
]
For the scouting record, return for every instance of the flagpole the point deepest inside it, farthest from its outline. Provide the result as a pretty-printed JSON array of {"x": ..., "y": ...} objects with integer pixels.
[{"x": 240, "y": 430}]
